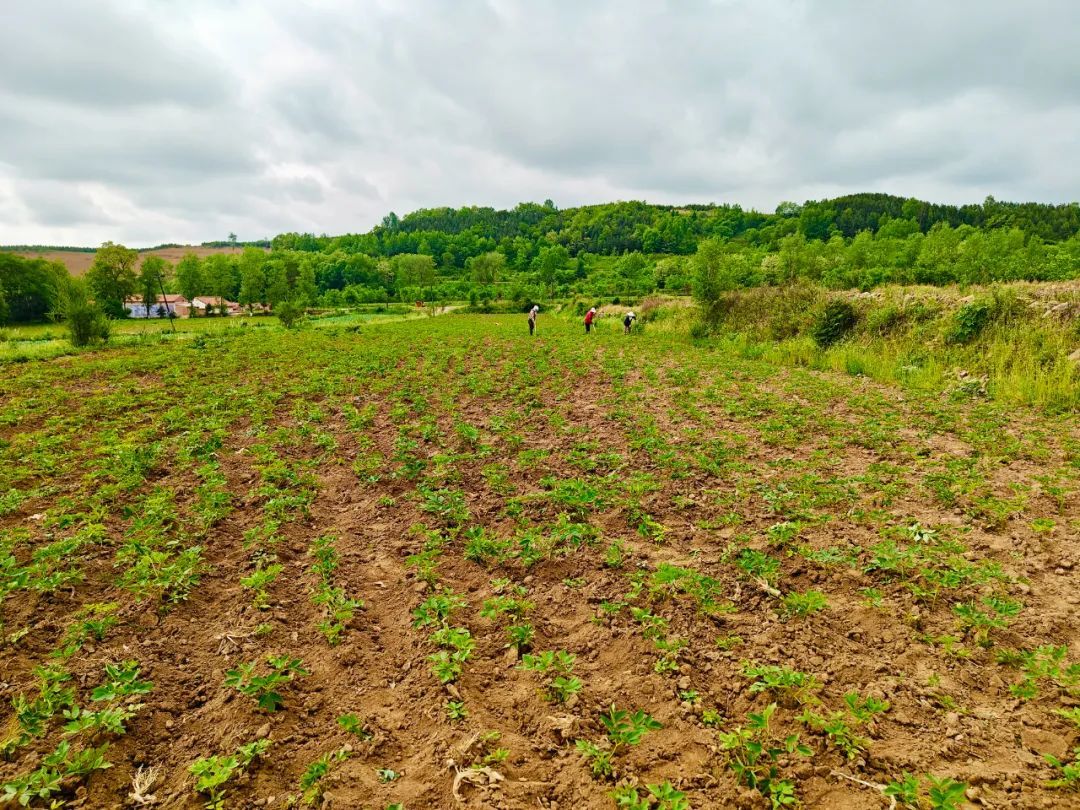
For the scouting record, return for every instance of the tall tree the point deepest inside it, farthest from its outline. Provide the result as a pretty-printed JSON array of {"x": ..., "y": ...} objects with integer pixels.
[
  {"x": 487, "y": 268},
  {"x": 151, "y": 280},
  {"x": 550, "y": 261},
  {"x": 30, "y": 286},
  {"x": 277, "y": 283},
  {"x": 252, "y": 277},
  {"x": 416, "y": 269},
  {"x": 221, "y": 275},
  {"x": 189, "y": 276},
  {"x": 112, "y": 277},
  {"x": 306, "y": 293}
]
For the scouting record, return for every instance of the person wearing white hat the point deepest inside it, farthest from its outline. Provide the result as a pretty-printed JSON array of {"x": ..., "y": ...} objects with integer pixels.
[
  {"x": 532, "y": 318},
  {"x": 628, "y": 321}
]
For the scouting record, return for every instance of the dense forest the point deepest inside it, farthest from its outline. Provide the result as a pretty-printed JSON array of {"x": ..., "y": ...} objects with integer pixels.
[{"x": 538, "y": 251}]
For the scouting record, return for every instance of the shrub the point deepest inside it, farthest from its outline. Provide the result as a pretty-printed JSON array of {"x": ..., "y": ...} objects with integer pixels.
[
  {"x": 834, "y": 323},
  {"x": 289, "y": 313},
  {"x": 968, "y": 322},
  {"x": 85, "y": 320}
]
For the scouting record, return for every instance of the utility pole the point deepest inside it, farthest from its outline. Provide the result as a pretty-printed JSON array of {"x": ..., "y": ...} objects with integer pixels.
[{"x": 168, "y": 311}]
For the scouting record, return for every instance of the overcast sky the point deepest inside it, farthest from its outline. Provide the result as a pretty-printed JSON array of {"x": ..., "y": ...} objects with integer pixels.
[{"x": 182, "y": 120}]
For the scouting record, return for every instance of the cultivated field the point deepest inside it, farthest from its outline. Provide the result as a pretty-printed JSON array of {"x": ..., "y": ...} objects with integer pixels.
[
  {"x": 78, "y": 262},
  {"x": 437, "y": 564}
]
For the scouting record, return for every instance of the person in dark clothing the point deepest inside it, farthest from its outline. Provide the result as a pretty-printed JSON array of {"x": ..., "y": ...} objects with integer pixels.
[
  {"x": 628, "y": 321},
  {"x": 532, "y": 318}
]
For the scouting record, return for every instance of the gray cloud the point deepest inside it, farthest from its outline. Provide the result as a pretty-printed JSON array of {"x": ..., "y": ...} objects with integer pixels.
[{"x": 145, "y": 121}]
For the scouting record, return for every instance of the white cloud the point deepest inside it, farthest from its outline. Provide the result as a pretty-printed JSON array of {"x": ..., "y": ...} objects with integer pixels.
[{"x": 148, "y": 122}]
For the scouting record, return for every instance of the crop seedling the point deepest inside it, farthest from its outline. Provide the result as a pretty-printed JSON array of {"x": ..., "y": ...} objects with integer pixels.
[
  {"x": 1069, "y": 772},
  {"x": 939, "y": 793},
  {"x": 658, "y": 797},
  {"x": 455, "y": 710},
  {"x": 311, "y": 781},
  {"x": 457, "y": 644},
  {"x": 711, "y": 717},
  {"x": 212, "y": 773},
  {"x": 32, "y": 716},
  {"x": 803, "y": 604},
  {"x": 520, "y": 635},
  {"x": 352, "y": 724},
  {"x": 436, "y": 609},
  {"x": 754, "y": 755},
  {"x": 559, "y": 664},
  {"x": 258, "y": 581},
  {"x": 121, "y": 680},
  {"x": 92, "y": 623},
  {"x": 48, "y": 779},
  {"x": 993, "y": 613},
  {"x": 263, "y": 688},
  {"x": 623, "y": 729},
  {"x": 768, "y": 677}
]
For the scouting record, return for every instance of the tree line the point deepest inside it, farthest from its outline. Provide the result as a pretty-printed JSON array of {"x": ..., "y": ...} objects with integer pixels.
[{"x": 617, "y": 249}]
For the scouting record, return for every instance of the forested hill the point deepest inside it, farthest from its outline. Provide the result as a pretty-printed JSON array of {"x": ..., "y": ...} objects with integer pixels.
[
  {"x": 454, "y": 234},
  {"x": 615, "y": 250}
]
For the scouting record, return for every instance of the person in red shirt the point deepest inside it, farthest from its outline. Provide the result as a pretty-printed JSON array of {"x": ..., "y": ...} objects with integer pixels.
[{"x": 589, "y": 319}]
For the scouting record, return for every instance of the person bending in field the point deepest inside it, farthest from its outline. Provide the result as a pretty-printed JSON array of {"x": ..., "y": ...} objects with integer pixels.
[
  {"x": 532, "y": 318},
  {"x": 628, "y": 321},
  {"x": 589, "y": 316}
]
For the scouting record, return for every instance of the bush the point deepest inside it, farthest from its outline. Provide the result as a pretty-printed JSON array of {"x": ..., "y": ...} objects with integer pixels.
[
  {"x": 289, "y": 313},
  {"x": 834, "y": 323},
  {"x": 85, "y": 319},
  {"x": 968, "y": 322}
]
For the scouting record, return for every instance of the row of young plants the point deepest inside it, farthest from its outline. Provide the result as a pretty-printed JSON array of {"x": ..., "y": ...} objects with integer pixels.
[{"x": 669, "y": 469}]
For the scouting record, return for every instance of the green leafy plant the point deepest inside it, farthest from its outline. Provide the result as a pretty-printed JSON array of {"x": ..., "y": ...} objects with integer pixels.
[
  {"x": 455, "y": 710},
  {"x": 560, "y": 665},
  {"x": 258, "y": 582},
  {"x": 768, "y": 677},
  {"x": 994, "y": 612},
  {"x": 212, "y": 773},
  {"x": 437, "y": 609},
  {"x": 658, "y": 797},
  {"x": 92, "y": 623},
  {"x": 834, "y": 323},
  {"x": 1069, "y": 772},
  {"x": 49, "y": 778},
  {"x": 755, "y": 755},
  {"x": 352, "y": 724},
  {"x": 457, "y": 644},
  {"x": 623, "y": 729},
  {"x": 939, "y": 793},
  {"x": 121, "y": 680},
  {"x": 311, "y": 781},
  {"x": 803, "y": 604},
  {"x": 263, "y": 688}
]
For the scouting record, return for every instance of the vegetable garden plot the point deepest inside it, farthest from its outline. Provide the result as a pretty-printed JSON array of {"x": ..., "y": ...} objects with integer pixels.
[{"x": 435, "y": 564}]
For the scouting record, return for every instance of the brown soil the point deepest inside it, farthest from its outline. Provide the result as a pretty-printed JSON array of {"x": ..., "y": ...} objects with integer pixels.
[{"x": 949, "y": 715}]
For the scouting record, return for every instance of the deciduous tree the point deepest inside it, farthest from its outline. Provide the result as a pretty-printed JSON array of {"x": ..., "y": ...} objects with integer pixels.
[{"x": 112, "y": 277}]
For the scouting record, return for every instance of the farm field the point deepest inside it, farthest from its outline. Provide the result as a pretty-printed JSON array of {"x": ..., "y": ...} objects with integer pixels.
[
  {"x": 44, "y": 341},
  {"x": 436, "y": 563}
]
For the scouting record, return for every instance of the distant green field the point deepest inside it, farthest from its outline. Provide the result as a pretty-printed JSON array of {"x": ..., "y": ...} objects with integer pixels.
[{"x": 46, "y": 340}]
